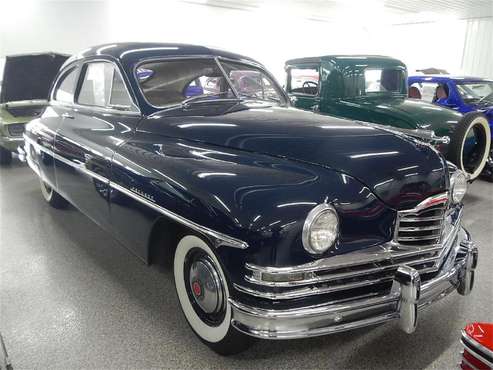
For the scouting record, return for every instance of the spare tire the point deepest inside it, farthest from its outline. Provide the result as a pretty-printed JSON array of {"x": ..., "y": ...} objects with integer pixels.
[{"x": 470, "y": 143}]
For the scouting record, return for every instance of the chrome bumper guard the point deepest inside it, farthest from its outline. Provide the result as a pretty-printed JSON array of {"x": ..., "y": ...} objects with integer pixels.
[{"x": 408, "y": 296}]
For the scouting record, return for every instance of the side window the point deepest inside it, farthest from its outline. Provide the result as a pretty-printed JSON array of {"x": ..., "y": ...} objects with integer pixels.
[
  {"x": 103, "y": 87},
  {"x": 426, "y": 90},
  {"x": 66, "y": 87},
  {"x": 119, "y": 97},
  {"x": 304, "y": 80}
]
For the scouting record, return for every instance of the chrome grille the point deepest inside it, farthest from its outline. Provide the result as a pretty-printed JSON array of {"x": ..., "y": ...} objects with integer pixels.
[
  {"x": 423, "y": 236},
  {"x": 16, "y": 129},
  {"x": 421, "y": 227}
]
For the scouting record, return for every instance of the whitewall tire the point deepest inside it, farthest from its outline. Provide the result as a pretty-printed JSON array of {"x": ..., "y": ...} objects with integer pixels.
[
  {"x": 203, "y": 293},
  {"x": 473, "y": 125},
  {"x": 51, "y": 196}
]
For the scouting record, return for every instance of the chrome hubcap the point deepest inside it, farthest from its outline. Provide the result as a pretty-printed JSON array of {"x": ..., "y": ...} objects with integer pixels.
[{"x": 206, "y": 285}]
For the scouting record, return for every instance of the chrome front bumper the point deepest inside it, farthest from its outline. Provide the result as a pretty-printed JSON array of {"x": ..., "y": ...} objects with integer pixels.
[{"x": 407, "y": 297}]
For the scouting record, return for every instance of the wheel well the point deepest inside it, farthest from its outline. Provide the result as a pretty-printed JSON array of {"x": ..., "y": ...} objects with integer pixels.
[{"x": 163, "y": 239}]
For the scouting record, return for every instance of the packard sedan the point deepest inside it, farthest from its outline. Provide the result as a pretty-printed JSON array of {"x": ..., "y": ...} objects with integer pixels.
[{"x": 279, "y": 223}]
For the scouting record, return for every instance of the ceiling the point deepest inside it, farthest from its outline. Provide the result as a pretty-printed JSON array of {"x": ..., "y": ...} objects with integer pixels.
[{"x": 385, "y": 11}]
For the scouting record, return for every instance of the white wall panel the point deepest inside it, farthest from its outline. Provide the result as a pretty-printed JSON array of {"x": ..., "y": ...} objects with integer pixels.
[
  {"x": 478, "y": 48},
  {"x": 270, "y": 32}
]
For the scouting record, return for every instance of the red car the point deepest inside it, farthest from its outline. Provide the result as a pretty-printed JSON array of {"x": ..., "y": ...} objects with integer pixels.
[{"x": 477, "y": 339}]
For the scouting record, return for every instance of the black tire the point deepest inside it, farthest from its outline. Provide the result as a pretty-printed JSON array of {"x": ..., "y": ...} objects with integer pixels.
[
  {"x": 5, "y": 156},
  {"x": 213, "y": 327},
  {"x": 472, "y": 124},
  {"x": 52, "y": 197}
]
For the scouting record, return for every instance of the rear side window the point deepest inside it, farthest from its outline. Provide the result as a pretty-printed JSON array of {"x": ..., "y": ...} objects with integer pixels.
[
  {"x": 427, "y": 90},
  {"x": 304, "y": 80},
  {"x": 383, "y": 80},
  {"x": 66, "y": 87},
  {"x": 103, "y": 86}
]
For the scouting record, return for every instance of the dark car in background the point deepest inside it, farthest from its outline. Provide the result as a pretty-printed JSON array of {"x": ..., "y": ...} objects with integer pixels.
[
  {"x": 374, "y": 89},
  {"x": 461, "y": 93},
  {"x": 24, "y": 92},
  {"x": 278, "y": 223}
]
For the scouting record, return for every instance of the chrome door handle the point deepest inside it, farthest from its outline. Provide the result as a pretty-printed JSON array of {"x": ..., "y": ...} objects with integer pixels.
[{"x": 66, "y": 115}]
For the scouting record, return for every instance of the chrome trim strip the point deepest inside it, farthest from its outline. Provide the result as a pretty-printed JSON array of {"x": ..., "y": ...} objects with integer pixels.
[
  {"x": 471, "y": 366},
  {"x": 306, "y": 292},
  {"x": 331, "y": 277},
  {"x": 477, "y": 346},
  {"x": 219, "y": 239},
  {"x": 377, "y": 254},
  {"x": 475, "y": 354},
  {"x": 417, "y": 238},
  {"x": 421, "y": 228},
  {"x": 422, "y": 219},
  {"x": 316, "y": 310}
]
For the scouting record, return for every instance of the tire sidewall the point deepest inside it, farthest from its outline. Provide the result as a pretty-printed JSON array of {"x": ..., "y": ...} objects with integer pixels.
[
  {"x": 47, "y": 194},
  {"x": 209, "y": 334},
  {"x": 467, "y": 124}
]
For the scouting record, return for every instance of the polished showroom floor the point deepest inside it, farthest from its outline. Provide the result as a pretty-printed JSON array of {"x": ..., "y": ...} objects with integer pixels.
[{"x": 72, "y": 297}]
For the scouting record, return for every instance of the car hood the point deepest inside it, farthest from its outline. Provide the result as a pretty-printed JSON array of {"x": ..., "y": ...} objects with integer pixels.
[
  {"x": 418, "y": 112},
  {"x": 29, "y": 77},
  {"x": 401, "y": 171}
]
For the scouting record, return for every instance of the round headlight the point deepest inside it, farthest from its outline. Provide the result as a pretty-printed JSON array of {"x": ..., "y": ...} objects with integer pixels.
[
  {"x": 458, "y": 186},
  {"x": 321, "y": 229}
]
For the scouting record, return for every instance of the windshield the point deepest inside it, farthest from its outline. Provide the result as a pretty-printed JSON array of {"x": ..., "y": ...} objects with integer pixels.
[
  {"x": 476, "y": 91},
  {"x": 168, "y": 83},
  {"x": 251, "y": 82}
]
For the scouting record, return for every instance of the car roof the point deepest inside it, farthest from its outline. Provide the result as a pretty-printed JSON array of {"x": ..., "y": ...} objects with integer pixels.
[
  {"x": 14, "y": 56},
  {"x": 445, "y": 78},
  {"x": 132, "y": 52},
  {"x": 347, "y": 59}
]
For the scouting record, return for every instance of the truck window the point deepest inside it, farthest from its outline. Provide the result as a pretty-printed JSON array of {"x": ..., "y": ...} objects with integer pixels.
[{"x": 304, "y": 80}]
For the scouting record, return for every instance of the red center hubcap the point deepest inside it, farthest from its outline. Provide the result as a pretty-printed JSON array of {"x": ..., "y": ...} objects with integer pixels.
[{"x": 197, "y": 289}]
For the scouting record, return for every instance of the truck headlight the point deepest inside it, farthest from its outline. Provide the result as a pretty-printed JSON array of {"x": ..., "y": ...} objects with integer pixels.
[
  {"x": 321, "y": 229},
  {"x": 458, "y": 186}
]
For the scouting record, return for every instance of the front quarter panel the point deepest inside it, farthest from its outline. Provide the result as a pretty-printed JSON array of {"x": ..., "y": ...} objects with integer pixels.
[{"x": 255, "y": 198}]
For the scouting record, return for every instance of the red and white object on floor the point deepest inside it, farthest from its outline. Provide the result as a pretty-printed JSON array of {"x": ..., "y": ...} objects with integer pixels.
[{"x": 477, "y": 340}]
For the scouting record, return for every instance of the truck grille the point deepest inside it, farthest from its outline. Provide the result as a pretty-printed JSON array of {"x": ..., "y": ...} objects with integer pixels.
[
  {"x": 419, "y": 242},
  {"x": 16, "y": 129}
]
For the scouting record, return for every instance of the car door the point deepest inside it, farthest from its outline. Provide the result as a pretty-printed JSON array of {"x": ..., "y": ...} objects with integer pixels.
[
  {"x": 303, "y": 86},
  {"x": 41, "y": 134},
  {"x": 101, "y": 118}
]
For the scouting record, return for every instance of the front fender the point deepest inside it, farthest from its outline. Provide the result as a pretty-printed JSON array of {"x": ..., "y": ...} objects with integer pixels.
[{"x": 252, "y": 197}]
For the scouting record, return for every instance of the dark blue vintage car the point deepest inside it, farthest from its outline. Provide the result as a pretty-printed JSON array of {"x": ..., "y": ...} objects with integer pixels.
[
  {"x": 461, "y": 93},
  {"x": 279, "y": 223}
]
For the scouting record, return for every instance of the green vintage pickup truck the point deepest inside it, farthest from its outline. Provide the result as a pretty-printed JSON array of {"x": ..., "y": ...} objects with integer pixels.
[
  {"x": 23, "y": 96},
  {"x": 374, "y": 89}
]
